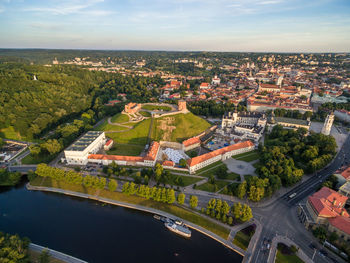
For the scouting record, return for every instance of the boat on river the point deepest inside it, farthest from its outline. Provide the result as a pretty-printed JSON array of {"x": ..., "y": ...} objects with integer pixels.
[{"x": 181, "y": 230}]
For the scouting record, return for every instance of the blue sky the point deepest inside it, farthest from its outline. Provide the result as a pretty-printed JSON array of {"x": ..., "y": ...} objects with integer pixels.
[{"x": 213, "y": 25}]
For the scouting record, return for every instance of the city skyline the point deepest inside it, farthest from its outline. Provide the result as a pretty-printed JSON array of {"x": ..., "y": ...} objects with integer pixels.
[{"x": 185, "y": 25}]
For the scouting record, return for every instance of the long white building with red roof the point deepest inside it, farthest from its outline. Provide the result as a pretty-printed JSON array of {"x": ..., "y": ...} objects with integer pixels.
[
  {"x": 204, "y": 160},
  {"x": 148, "y": 160}
]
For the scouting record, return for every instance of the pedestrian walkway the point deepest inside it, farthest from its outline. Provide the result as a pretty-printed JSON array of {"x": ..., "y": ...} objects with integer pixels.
[
  {"x": 55, "y": 254},
  {"x": 288, "y": 242}
]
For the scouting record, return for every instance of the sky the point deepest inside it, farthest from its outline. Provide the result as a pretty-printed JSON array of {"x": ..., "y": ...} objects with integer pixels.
[{"x": 185, "y": 25}]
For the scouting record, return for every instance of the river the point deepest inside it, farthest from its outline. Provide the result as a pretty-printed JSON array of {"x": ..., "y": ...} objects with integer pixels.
[{"x": 95, "y": 232}]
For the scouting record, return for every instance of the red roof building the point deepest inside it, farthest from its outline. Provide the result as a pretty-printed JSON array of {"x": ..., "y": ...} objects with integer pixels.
[{"x": 219, "y": 154}]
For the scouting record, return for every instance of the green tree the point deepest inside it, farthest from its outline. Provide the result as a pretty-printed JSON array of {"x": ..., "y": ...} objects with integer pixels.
[
  {"x": 112, "y": 185},
  {"x": 181, "y": 198},
  {"x": 242, "y": 189},
  {"x": 44, "y": 256},
  {"x": 183, "y": 163},
  {"x": 52, "y": 146},
  {"x": 171, "y": 196},
  {"x": 193, "y": 201}
]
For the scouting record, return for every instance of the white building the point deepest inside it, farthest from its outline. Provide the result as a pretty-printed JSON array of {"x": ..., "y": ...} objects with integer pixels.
[
  {"x": 215, "y": 81},
  {"x": 90, "y": 143},
  {"x": 243, "y": 125},
  {"x": 204, "y": 160},
  {"x": 326, "y": 129}
]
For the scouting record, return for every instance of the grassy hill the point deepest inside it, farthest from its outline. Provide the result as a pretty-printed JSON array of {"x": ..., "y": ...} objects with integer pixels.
[
  {"x": 137, "y": 135},
  {"x": 178, "y": 127}
]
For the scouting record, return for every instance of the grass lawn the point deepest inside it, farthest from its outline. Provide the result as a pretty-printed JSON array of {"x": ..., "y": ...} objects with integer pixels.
[
  {"x": 210, "y": 170},
  {"x": 105, "y": 126},
  {"x": 175, "y": 210},
  {"x": 187, "y": 125},
  {"x": 137, "y": 135},
  {"x": 209, "y": 167},
  {"x": 283, "y": 257},
  {"x": 145, "y": 113},
  {"x": 120, "y": 118},
  {"x": 35, "y": 257},
  {"x": 30, "y": 159},
  {"x": 256, "y": 165},
  {"x": 180, "y": 172},
  {"x": 241, "y": 240},
  {"x": 248, "y": 156},
  {"x": 233, "y": 176},
  {"x": 126, "y": 149},
  {"x": 211, "y": 187},
  {"x": 186, "y": 180},
  {"x": 192, "y": 153},
  {"x": 10, "y": 133},
  {"x": 242, "y": 237},
  {"x": 155, "y": 107}
]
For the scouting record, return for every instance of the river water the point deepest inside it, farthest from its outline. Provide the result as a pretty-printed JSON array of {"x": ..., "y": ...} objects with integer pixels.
[{"x": 96, "y": 232}]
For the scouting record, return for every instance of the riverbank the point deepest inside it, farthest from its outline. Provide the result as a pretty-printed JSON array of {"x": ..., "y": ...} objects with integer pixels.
[
  {"x": 61, "y": 257},
  {"x": 218, "y": 233}
]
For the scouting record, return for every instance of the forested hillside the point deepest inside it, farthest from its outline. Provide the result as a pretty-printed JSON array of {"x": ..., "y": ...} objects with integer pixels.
[{"x": 31, "y": 107}]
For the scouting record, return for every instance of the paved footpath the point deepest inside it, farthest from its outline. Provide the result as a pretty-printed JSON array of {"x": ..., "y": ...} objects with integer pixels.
[
  {"x": 55, "y": 254},
  {"x": 288, "y": 242},
  {"x": 141, "y": 208}
]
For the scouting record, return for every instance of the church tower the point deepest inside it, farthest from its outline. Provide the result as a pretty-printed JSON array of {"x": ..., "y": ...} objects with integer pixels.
[{"x": 326, "y": 130}]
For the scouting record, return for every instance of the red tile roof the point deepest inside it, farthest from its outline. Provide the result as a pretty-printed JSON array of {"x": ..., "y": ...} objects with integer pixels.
[
  {"x": 196, "y": 160},
  {"x": 346, "y": 173},
  {"x": 152, "y": 152},
  {"x": 269, "y": 86},
  {"x": 116, "y": 157},
  {"x": 342, "y": 223},
  {"x": 328, "y": 203},
  {"x": 109, "y": 142},
  {"x": 168, "y": 163},
  {"x": 191, "y": 141}
]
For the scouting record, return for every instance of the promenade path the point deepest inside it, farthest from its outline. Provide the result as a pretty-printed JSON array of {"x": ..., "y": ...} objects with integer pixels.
[
  {"x": 141, "y": 208},
  {"x": 288, "y": 242},
  {"x": 55, "y": 254}
]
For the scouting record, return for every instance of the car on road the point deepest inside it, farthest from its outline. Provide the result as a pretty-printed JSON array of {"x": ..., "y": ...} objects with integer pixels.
[
  {"x": 323, "y": 253},
  {"x": 292, "y": 195}
]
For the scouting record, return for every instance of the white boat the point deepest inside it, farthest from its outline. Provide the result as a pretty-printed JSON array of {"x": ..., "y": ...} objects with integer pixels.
[{"x": 178, "y": 229}]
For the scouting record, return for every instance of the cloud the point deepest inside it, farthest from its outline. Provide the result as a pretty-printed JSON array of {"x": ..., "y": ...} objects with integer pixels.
[
  {"x": 269, "y": 2},
  {"x": 74, "y": 7}
]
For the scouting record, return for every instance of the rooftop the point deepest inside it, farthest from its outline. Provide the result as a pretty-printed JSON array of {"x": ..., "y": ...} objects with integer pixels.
[
  {"x": 292, "y": 121},
  {"x": 342, "y": 223},
  {"x": 328, "y": 203},
  {"x": 207, "y": 156},
  {"x": 84, "y": 141}
]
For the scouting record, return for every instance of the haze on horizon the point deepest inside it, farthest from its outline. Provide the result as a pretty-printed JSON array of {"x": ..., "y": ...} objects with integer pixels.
[{"x": 184, "y": 25}]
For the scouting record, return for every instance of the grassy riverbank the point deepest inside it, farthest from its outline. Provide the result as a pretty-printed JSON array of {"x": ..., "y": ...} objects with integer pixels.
[{"x": 175, "y": 210}]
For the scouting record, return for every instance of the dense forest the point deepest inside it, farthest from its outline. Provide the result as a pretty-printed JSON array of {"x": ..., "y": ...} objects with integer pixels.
[
  {"x": 13, "y": 249},
  {"x": 35, "y": 99}
]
